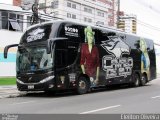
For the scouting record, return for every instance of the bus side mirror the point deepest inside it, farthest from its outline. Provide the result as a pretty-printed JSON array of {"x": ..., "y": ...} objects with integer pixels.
[
  {"x": 6, "y": 49},
  {"x": 48, "y": 47},
  {"x": 49, "y": 44}
]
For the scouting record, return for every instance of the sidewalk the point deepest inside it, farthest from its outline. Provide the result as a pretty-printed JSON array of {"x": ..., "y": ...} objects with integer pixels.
[{"x": 8, "y": 91}]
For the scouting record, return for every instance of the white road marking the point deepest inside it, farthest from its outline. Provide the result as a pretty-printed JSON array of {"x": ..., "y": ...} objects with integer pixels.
[
  {"x": 155, "y": 97},
  {"x": 100, "y": 109},
  {"x": 22, "y": 103}
]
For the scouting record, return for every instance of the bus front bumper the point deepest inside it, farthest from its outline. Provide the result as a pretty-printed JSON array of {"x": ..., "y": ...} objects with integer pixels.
[{"x": 45, "y": 84}]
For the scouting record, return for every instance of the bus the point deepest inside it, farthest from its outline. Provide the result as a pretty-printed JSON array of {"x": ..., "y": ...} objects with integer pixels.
[{"x": 65, "y": 55}]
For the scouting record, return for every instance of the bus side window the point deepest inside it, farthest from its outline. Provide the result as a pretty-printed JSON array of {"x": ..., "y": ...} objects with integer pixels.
[
  {"x": 60, "y": 58},
  {"x": 60, "y": 54},
  {"x": 72, "y": 52}
]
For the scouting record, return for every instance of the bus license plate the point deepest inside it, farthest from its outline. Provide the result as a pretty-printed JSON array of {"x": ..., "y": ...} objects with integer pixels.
[{"x": 30, "y": 86}]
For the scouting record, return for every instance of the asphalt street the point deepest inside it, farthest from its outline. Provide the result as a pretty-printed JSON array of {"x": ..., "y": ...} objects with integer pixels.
[{"x": 145, "y": 99}]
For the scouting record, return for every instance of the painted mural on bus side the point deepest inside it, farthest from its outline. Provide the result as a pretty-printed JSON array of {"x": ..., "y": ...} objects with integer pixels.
[{"x": 115, "y": 64}]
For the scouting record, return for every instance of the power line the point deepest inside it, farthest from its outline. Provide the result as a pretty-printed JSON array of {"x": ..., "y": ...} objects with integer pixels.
[
  {"x": 146, "y": 24},
  {"x": 81, "y": 19},
  {"x": 147, "y": 5}
]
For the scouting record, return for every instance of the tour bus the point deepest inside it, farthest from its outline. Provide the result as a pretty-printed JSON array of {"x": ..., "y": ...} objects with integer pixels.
[{"x": 64, "y": 55}]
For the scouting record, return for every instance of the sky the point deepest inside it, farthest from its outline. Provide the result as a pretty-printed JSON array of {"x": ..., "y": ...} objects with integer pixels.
[
  {"x": 6, "y": 1},
  {"x": 148, "y": 16},
  {"x": 148, "y": 20}
]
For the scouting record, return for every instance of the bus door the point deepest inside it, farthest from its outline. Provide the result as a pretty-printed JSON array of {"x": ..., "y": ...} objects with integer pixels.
[
  {"x": 73, "y": 62},
  {"x": 66, "y": 63},
  {"x": 60, "y": 64}
]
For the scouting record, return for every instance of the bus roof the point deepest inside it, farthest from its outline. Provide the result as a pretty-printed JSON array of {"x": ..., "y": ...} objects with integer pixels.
[{"x": 85, "y": 24}]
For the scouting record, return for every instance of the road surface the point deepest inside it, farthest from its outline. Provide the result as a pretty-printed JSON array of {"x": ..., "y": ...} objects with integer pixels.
[{"x": 115, "y": 100}]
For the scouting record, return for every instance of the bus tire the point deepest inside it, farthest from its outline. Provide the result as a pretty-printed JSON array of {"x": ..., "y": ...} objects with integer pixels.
[
  {"x": 136, "y": 80},
  {"x": 143, "y": 80},
  {"x": 83, "y": 85}
]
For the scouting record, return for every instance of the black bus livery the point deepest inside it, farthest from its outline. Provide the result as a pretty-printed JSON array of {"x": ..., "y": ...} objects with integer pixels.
[{"x": 61, "y": 55}]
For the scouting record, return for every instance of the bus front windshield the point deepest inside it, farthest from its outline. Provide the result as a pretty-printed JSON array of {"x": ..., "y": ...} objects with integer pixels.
[{"x": 33, "y": 59}]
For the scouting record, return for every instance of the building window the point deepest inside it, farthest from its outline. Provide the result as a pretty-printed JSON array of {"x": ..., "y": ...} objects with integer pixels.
[
  {"x": 12, "y": 16},
  {"x": 68, "y": 4},
  {"x": 20, "y": 21},
  {"x": 85, "y": 19},
  {"x": 54, "y": 4},
  {"x": 99, "y": 23},
  {"x": 89, "y": 20},
  {"x": 14, "y": 25},
  {"x": 71, "y": 5},
  {"x": 89, "y": 10},
  {"x": 4, "y": 20},
  {"x": 85, "y": 9},
  {"x": 100, "y": 13},
  {"x": 11, "y": 21},
  {"x": 28, "y": 21},
  {"x": 68, "y": 15},
  {"x": 73, "y": 16},
  {"x": 74, "y": 6},
  {"x": 42, "y": 5}
]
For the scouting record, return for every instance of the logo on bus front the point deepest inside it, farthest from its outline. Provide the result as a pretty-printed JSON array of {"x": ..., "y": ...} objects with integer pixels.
[
  {"x": 36, "y": 34},
  {"x": 115, "y": 64}
]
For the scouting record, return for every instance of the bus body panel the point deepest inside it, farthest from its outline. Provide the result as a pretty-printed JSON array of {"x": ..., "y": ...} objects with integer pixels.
[{"x": 120, "y": 56}]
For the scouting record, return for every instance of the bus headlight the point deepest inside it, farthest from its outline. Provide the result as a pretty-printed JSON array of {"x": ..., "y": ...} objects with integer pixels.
[
  {"x": 46, "y": 79},
  {"x": 20, "y": 81}
]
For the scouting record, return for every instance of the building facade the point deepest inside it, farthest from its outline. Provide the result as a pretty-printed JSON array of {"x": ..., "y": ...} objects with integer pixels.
[
  {"x": 13, "y": 22},
  {"x": 96, "y": 12},
  {"x": 17, "y": 2},
  {"x": 128, "y": 23}
]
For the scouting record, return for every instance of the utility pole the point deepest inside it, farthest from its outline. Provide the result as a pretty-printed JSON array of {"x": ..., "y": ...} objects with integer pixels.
[
  {"x": 34, "y": 18},
  {"x": 45, "y": 6},
  {"x": 118, "y": 12},
  {"x": 36, "y": 3}
]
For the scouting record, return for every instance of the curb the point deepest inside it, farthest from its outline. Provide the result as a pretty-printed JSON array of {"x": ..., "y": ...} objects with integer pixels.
[
  {"x": 12, "y": 95},
  {"x": 9, "y": 91},
  {"x": 9, "y": 96}
]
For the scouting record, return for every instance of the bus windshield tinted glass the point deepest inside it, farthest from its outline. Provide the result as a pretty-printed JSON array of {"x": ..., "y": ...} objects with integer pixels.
[
  {"x": 33, "y": 59},
  {"x": 37, "y": 34}
]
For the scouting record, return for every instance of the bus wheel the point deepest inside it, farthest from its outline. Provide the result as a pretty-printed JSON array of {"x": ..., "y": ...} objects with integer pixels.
[
  {"x": 83, "y": 85},
  {"x": 143, "y": 80},
  {"x": 136, "y": 80}
]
